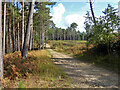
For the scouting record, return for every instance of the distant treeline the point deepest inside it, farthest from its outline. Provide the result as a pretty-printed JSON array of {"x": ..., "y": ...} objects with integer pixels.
[{"x": 71, "y": 33}]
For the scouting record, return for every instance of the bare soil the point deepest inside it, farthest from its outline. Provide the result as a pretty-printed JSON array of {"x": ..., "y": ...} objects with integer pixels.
[{"x": 85, "y": 75}]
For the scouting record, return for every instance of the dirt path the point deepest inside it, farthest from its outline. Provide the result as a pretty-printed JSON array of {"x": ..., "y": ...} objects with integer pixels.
[{"x": 84, "y": 75}]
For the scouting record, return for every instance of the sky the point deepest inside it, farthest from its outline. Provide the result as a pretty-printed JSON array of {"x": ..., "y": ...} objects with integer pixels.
[{"x": 65, "y": 13}]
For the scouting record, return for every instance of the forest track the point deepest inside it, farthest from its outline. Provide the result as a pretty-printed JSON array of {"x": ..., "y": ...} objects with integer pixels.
[{"x": 85, "y": 75}]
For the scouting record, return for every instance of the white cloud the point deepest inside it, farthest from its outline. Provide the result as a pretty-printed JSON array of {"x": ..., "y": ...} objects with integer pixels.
[
  {"x": 77, "y": 19},
  {"x": 58, "y": 12},
  {"x": 64, "y": 22}
]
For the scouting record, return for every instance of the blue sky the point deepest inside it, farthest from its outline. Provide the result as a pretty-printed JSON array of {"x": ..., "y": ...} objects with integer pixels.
[{"x": 65, "y": 13}]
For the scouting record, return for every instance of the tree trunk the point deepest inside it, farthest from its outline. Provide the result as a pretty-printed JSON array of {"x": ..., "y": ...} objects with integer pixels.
[
  {"x": 7, "y": 47},
  {"x": 13, "y": 37},
  {"x": 83, "y": 37},
  {"x": 4, "y": 28},
  {"x": 67, "y": 35},
  {"x": 30, "y": 44},
  {"x": 27, "y": 34},
  {"x": 22, "y": 23},
  {"x": 18, "y": 35},
  {"x": 18, "y": 29},
  {"x": 31, "y": 36},
  {"x": 73, "y": 34},
  {"x": 64, "y": 35},
  {"x": 16, "y": 41},
  {"x": 45, "y": 38},
  {"x": 40, "y": 41},
  {"x": 10, "y": 36},
  {"x": 108, "y": 43},
  {"x": 33, "y": 43},
  {"x": 60, "y": 37},
  {"x": 92, "y": 12},
  {"x": 53, "y": 37},
  {"x": 43, "y": 33},
  {"x": 70, "y": 37},
  {"x": 1, "y": 57}
]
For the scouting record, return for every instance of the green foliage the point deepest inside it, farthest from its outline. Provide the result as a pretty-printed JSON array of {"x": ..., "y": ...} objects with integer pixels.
[
  {"x": 20, "y": 85},
  {"x": 42, "y": 22},
  {"x": 103, "y": 31},
  {"x": 74, "y": 26},
  {"x": 116, "y": 47},
  {"x": 70, "y": 33}
]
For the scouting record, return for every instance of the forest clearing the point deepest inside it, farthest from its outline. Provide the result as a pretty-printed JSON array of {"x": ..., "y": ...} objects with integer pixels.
[{"x": 59, "y": 44}]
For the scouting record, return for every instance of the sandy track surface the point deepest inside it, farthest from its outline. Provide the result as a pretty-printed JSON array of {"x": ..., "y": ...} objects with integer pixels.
[{"x": 84, "y": 75}]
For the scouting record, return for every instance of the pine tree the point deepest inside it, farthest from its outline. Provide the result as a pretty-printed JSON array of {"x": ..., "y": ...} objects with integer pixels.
[
  {"x": 1, "y": 57},
  {"x": 28, "y": 30},
  {"x": 4, "y": 28}
]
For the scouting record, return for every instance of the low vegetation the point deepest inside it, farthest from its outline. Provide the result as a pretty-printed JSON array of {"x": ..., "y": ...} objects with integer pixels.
[
  {"x": 96, "y": 55},
  {"x": 68, "y": 46},
  {"x": 37, "y": 71}
]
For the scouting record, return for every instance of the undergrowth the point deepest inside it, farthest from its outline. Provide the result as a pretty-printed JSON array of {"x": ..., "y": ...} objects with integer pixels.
[
  {"x": 38, "y": 63},
  {"x": 68, "y": 46}
]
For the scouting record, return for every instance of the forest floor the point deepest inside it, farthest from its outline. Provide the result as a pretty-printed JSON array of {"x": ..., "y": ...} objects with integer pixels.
[
  {"x": 36, "y": 71},
  {"x": 51, "y": 69},
  {"x": 85, "y": 75}
]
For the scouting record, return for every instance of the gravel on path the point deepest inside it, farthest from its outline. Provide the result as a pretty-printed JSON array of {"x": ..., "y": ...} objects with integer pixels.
[{"x": 84, "y": 75}]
